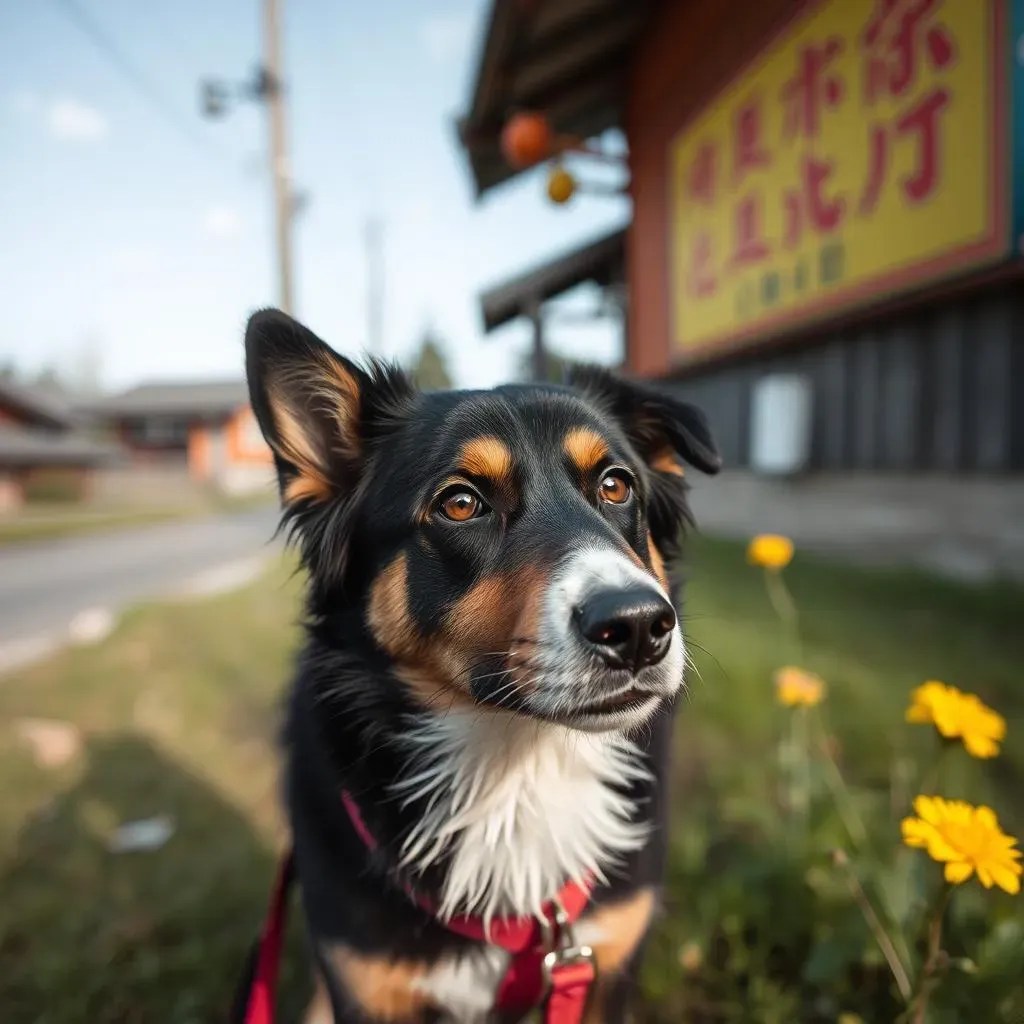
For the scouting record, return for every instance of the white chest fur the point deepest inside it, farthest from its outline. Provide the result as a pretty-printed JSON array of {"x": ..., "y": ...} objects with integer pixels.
[{"x": 524, "y": 806}]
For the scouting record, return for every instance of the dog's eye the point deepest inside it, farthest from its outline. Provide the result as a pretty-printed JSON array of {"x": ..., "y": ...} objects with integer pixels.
[
  {"x": 460, "y": 506},
  {"x": 615, "y": 489}
]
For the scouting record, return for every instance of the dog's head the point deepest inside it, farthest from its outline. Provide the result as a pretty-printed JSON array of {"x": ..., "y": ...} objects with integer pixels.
[{"x": 504, "y": 548}]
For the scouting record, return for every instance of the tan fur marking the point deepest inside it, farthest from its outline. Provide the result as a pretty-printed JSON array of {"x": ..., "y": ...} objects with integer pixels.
[
  {"x": 621, "y": 926},
  {"x": 499, "y": 615},
  {"x": 665, "y": 460},
  {"x": 335, "y": 394},
  {"x": 483, "y": 616},
  {"x": 294, "y": 446},
  {"x": 319, "y": 1010},
  {"x": 486, "y": 456},
  {"x": 532, "y": 586},
  {"x": 306, "y": 486},
  {"x": 385, "y": 990},
  {"x": 434, "y": 673},
  {"x": 585, "y": 447},
  {"x": 432, "y": 691},
  {"x": 657, "y": 561},
  {"x": 388, "y": 612}
]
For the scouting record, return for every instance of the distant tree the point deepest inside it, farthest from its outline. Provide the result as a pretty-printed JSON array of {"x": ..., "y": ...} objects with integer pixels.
[
  {"x": 430, "y": 369},
  {"x": 8, "y": 374}
]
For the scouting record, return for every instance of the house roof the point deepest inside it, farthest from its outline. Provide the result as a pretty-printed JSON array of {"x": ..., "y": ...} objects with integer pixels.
[
  {"x": 37, "y": 406},
  {"x": 175, "y": 398},
  {"x": 21, "y": 447},
  {"x": 567, "y": 59},
  {"x": 600, "y": 261}
]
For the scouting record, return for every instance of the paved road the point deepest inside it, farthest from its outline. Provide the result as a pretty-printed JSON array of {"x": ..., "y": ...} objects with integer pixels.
[{"x": 45, "y": 586}]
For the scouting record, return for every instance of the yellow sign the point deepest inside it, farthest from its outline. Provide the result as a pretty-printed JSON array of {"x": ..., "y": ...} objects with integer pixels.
[{"x": 860, "y": 155}]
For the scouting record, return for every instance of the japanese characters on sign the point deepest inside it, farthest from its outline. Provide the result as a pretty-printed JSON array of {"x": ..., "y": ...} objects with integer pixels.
[{"x": 860, "y": 155}]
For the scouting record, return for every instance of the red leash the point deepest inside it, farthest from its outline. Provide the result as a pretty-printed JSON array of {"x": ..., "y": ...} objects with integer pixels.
[
  {"x": 263, "y": 991},
  {"x": 547, "y": 965}
]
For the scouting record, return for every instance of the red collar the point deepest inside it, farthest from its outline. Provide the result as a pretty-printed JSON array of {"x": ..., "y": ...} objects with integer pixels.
[{"x": 547, "y": 966}]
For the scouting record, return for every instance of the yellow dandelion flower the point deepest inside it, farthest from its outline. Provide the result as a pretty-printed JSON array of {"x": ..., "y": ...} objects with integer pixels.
[
  {"x": 796, "y": 687},
  {"x": 771, "y": 551},
  {"x": 924, "y": 699},
  {"x": 958, "y": 715},
  {"x": 966, "y": 839}
]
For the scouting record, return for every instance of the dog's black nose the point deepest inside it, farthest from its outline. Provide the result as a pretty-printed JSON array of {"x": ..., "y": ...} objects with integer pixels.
[{"x": 628, "y": 629}]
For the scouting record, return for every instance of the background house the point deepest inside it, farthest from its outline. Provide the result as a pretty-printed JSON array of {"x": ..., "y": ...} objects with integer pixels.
[
  {"x": 44, "y": 453},
  {"x": 823, "y": 250},
  {"x": 202, "y": 432}
]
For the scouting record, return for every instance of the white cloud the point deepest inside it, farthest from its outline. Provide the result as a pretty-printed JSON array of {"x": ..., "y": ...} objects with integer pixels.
[
  {"x": 222, "y": 222},
  {"x": 447, "y": 37},
  {"x": 71, "y": 120}
]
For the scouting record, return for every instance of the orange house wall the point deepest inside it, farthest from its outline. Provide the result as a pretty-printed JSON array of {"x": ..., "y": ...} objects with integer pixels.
[
  {"x": 689, "y": 51},
  {"x": 199, "y": 452},
  {"x": 240, "y": 446},
  {"x": 245, "y": 446}
]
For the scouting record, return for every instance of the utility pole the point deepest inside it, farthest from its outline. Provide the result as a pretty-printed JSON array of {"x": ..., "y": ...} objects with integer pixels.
[
  {"x": 373, "y": 238},
  {"x": 267, "y": 86},
  {"x": 279, "y": 169}
]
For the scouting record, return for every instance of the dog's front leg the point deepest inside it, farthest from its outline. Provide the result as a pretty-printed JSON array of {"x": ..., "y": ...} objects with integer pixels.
[
  {"x": 617, "y": 932},
  {"x": 357, "y": 988}
]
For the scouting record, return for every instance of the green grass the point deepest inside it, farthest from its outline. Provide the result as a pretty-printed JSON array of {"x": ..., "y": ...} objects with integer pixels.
[
  {"x": 51, "y": 522},
  {"x": 733, "y": 882},
  {"x": 178, "y": 710}
]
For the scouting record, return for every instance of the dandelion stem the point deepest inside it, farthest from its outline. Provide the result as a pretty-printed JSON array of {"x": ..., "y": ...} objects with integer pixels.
[
  {"x": 840, "y": 794},
  {"x": 928, "y": 973},
  {"x": 780, "y": 596},
  {"x": 899, "y": 971},
  {"x": 785, "y": 607},
  {"x": 802, "y": 772}
]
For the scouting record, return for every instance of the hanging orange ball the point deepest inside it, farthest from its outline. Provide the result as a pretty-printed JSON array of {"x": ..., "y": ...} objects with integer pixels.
[
  {"x": 526, "y": 140},
  {"x": 561, "y": 185}
]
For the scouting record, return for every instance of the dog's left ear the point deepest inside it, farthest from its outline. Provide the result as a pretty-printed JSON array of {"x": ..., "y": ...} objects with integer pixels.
[{"x": 665, "y": 432}]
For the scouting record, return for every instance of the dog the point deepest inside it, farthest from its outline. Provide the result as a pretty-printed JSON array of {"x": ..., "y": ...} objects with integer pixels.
[{"x": 478, "y": 733}]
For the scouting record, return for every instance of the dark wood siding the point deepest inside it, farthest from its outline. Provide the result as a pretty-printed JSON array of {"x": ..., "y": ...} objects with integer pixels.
[{"x": 939, "y": 389}]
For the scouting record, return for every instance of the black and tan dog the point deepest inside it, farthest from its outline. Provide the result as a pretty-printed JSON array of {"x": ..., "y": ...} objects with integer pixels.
[{"x": 480, "y": 720}]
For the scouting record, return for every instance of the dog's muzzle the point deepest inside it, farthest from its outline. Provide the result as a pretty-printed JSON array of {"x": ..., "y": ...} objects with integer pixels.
[{"x": 611, "y": 647}]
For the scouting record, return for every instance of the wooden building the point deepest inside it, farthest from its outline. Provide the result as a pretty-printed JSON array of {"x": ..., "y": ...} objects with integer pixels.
[
  {"x": 45, "y": 455},
  {"x": 824, "y": 250},
  {"x": 204, "y": 430}
]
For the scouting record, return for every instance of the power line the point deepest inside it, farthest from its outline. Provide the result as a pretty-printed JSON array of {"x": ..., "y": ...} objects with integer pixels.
[{"x": 116, "y": 57}]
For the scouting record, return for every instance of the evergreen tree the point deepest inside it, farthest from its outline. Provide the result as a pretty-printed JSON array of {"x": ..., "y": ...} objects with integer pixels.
[{"x": 430, "y": 370}]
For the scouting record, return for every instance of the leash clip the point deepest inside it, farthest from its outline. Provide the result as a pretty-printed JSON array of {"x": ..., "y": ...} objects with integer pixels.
[{"x": 563, "y": 951}]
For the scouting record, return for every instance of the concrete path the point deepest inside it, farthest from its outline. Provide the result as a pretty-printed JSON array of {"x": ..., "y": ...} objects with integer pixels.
[{"x": 52, "y": 591}]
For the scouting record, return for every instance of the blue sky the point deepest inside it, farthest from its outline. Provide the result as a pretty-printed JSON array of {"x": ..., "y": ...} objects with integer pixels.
[{"x": 136, "y": 228}]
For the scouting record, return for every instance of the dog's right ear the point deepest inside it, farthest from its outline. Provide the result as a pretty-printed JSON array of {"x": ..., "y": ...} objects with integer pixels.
[{"x": 317, "y": 409}]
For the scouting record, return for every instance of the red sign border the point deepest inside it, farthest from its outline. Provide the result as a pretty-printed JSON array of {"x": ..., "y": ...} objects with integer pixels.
[{"x": 972, "y": 256}]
